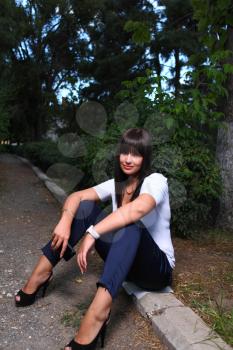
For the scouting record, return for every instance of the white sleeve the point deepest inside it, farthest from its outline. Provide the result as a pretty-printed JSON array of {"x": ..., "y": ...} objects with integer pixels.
[
  {"x": 105, "y": 189},
  {"x": 156, "y": 186}
]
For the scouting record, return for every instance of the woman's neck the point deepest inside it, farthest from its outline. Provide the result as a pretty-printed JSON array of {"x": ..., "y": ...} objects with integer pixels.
[{"x": 132, "y": 180}]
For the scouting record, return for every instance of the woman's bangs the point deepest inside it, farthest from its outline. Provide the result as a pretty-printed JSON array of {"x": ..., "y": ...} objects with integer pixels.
[{"x": 126, "y": 148}]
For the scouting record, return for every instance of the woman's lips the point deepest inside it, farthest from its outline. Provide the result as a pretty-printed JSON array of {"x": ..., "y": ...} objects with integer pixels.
[{"x": 127, "y": 167}]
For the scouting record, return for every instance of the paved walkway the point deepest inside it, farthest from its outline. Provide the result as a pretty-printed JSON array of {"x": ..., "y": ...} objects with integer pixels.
[{"x": 28, "y": 213}]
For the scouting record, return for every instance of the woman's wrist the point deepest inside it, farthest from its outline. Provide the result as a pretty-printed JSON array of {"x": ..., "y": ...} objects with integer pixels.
[
  {"x": 66, "y": 219},
  {"x": 89, "y": 236},
  {"x": 68, "y": 212},
  {"x": 91, "y": 230}
]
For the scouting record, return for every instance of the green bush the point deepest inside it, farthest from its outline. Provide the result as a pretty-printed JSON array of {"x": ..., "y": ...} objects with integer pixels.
[
  {"x": 183, "y": 148},
  {"x": 47, "y": 156},
  {"x": 193, "y": 178},
  {"x": 42, "y": 154},
  {"x": 4, "y": 148}
]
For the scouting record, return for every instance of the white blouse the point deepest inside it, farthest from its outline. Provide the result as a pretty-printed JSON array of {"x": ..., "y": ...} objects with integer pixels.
[{"x": 157, "y": 221}]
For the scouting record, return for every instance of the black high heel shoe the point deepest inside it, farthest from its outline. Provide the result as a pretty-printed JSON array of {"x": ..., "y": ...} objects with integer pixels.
[
  {"x": 29, "y": 299},
  {"x": 91, "y": 346}
]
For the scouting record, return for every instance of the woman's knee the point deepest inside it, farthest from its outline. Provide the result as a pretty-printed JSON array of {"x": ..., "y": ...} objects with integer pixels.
[
  {"x": 129, "y": 233},
  {"x": 85, "y": 207},
  {"x": 90, "y": 211}
]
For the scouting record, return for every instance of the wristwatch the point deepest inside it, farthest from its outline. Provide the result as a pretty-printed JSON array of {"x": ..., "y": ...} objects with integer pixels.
[{"x": 93, "y": 232}]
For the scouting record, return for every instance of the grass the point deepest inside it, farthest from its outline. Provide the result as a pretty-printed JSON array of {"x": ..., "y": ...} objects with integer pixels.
[
  {"x": 206, "y": 282},
  {"x": 213, "y": 235},
  {"x": 228, "y": 277},
  {"x": 212, "y": 312},
  {"x": 73, "y": 319},
  {"x": 221, "y": 320}
]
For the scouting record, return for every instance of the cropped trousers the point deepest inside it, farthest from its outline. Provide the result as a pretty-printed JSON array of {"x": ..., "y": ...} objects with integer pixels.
[{"x": 129, "y": 254}]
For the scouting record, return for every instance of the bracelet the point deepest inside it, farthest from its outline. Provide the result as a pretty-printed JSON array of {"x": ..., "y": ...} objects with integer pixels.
[
  {"x": 93, "y": 232},
  {"x": 69, "y": 212}
]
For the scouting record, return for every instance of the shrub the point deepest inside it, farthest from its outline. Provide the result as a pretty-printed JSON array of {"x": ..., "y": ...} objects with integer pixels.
[{"x": 42, "y": 154}]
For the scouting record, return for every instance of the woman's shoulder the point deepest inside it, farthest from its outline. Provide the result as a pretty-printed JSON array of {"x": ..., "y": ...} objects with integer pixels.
[
  {"x": 107, "y": 181},
  {"x": 106, "y": 184},
  {"x": 155, "y": 177}
]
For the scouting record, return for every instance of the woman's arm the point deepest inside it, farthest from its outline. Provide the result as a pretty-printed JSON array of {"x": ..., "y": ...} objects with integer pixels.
[
  {"x": 127, "y": 214},
  {"x": 61, "y": 233},
  {"x": 72, "y": 202}
]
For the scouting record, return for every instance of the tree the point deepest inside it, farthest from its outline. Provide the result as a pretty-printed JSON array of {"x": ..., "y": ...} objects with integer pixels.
[
  {"x": 40, "y": 59},
  {"x": 175, "y": 38},
  {"x": 215, "y": 21},
  {"x": 58, "y": 43},
  {"x": 225, "y": 145},
  {"x": 111, "y": 54},
  {"x": 4, "y": 116}
]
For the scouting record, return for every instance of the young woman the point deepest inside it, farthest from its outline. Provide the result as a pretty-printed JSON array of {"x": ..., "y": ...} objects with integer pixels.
[{"x": 134, "y": 240}]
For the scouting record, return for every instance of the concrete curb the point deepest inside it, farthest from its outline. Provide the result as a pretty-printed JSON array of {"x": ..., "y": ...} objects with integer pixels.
[{"x": 176, "y": 325}]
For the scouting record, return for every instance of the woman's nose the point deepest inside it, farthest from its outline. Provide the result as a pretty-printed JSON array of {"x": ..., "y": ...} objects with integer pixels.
[{"x": 129, "y": 158}]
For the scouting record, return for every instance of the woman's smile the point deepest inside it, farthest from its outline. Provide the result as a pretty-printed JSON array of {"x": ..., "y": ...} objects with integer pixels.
[
  {"x": 130, "y": 163},
  {"x": 128, "y": 166}
]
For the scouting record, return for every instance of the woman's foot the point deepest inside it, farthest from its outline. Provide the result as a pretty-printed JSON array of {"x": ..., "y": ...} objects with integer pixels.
[
  {"x": 41, "y": 273},
  {"x": 96, "y": 316},
  {"x": 77, "y": 345}
]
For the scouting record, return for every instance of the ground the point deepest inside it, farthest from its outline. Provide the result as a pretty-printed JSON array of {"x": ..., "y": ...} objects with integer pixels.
[
  {"x": 203, "y": 278},
  {"x": 28, "y": 213}
]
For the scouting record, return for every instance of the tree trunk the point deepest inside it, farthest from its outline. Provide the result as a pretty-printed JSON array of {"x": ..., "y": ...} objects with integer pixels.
[
  {"x": 176, "y": 79},
  {"x": 224, "y": 152},
  {"x": 158, "y": 68}
]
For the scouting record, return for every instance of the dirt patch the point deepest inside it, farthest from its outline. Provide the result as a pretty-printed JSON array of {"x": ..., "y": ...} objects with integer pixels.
[{"x": 203, "y": 279}]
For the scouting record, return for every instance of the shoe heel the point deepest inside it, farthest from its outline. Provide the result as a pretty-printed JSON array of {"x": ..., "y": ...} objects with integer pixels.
[
  {"x": 29, "y": 299},
  {"x": 45, "y": 286},
  {"x": 102, "y": 335},
  {"x": 104, "y": 329},
  {"x": 44, "y": 289},
  {"x": 91, "y": 346}
]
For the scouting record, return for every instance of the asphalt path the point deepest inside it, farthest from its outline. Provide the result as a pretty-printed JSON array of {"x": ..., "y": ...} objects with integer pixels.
[{"x": 28, "y": 214}]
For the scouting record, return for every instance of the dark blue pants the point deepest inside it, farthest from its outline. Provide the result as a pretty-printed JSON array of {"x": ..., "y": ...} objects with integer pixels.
[{"x": 129, "y": 253}]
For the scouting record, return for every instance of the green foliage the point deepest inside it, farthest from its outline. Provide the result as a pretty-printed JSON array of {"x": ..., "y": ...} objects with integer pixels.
[
  {"x": 4, "y": 115},
  {"x": 46, "y": 154},
  {"x": 141, "y": 32},
  {"x": 42, "y": 154},
  {"x": 214, "y": 20},
  {"x": 4, "y": 123},
  {"x": 4, "y": 148},
  {"x": 73, "y": 319},
  {"x": 181, "y": 134},
  {"x": 46, "y": 45},
  {"x": 82, "y": 46},
  {"x": 222, "y": 320},
  {"x": 175, "y": 38},
  {"x": 182, "y": 144}
]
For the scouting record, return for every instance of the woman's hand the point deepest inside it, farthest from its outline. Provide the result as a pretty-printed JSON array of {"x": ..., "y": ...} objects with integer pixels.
[
  {"x": 60, "y": 236},
  {"x": 84, "y": 248}
]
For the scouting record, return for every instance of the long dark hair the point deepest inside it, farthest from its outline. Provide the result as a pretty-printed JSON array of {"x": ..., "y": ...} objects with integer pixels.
[{"x": 138, "y": 142}]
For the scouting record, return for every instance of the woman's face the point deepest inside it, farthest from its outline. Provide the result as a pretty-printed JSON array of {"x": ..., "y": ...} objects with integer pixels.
[{"x": 130, "y": 164}]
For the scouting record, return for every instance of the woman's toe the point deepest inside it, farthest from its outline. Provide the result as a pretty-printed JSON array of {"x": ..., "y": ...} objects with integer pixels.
[{"x": 17, "y": 298}]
